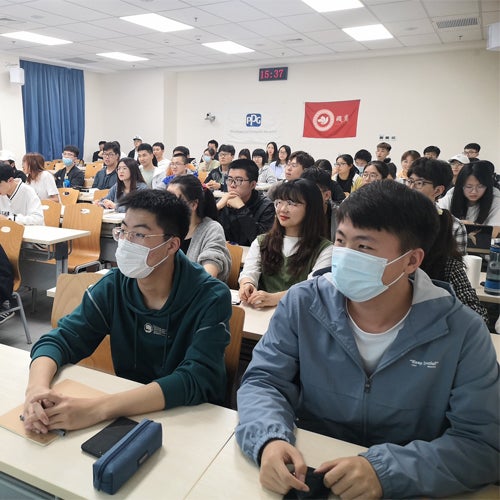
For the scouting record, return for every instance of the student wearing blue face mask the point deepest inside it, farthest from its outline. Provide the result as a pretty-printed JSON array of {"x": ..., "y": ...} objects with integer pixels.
[
  {"x": 70, "y": 176},
  {"x": 368, "y": 355},
  {"x": 167, "y": 320}
]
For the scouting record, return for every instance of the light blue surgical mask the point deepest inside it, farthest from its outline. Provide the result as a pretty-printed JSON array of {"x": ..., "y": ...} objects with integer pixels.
[
  {"x": 358, "y": 275},
  {"x": 67, "y": 162},
  {"x": 207, "y": 159}
]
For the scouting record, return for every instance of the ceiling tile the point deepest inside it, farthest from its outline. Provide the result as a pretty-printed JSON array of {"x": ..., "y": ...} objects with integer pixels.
[
  {"x": 451, "y": 7},
  {"x": 400, "y": 11},
  {"x": 416, "y": 40}
]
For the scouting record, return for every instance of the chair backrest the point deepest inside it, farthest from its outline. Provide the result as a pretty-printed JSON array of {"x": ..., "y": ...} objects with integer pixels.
[
  {"x": 69, "y": 293},
  {"x": 58, "y": 164},
  {"x": 49, "y": 165},
  {"x": 68, "y": 196},
  {"x": 87, "y": 217},
  {"x": 99, "y": 194},
  {"x": 236, "y": 253},
  {"x": 11, "y": 238},
  {"x": 91, "y": 169},
  {"x": 51, "y": 213},
  {"x": 232, "y": 354}
]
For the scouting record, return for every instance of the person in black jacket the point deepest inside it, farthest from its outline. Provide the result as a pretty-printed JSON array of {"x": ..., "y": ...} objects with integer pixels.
[
  {"x": 70, "y": 176},
  {"x": 244, "y": 213},
  {"x": 6, "y": 285}
]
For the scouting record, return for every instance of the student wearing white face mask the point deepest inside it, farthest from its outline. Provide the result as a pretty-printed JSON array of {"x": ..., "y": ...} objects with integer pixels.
[
  {"x": 368, "y": 355},
  {"x": 167, "y": 319}
]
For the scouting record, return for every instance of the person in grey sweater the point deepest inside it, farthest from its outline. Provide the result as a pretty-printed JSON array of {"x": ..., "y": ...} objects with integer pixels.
[{"x": 205, "y": 242}]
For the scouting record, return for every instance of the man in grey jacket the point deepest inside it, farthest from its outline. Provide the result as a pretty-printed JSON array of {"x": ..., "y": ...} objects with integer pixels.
[{"x": 371, "y": 356}]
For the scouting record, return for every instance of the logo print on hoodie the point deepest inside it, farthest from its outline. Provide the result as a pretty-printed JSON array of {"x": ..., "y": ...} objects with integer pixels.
[{"x": 155, "y": 330}]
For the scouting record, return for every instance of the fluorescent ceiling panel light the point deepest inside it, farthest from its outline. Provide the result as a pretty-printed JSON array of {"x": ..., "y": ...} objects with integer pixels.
[
  {"x": 333, "y": 5},
  {"x": 366, "y": 33},
  {"x": 157, "y": 22},
  {"x": 26, "y": 36},
  {"x": 121, "y": 56},
  {"x": 228, "y": 47}
]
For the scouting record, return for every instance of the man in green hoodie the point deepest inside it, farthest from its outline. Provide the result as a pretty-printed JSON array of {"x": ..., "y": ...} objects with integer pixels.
[{"x": 167, "y": 320}]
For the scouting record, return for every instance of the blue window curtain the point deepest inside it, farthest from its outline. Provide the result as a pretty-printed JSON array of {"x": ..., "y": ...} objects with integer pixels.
[{"x": 54, "y": 108}]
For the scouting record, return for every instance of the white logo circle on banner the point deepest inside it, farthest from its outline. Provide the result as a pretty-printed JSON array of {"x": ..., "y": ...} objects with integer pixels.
[{"x": 323, "y": 120}]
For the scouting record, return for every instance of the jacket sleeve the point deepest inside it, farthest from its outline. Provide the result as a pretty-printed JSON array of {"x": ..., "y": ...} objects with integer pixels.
[
  {"x": 466, "y": 455},
  {"x": 78, "y": 179},
  {"x": 251, "y": 225},
  {"x": 268, "y": 392}
]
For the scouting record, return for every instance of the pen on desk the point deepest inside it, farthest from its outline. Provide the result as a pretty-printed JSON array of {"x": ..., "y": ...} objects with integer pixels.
[{"x": 59, "y": 432}]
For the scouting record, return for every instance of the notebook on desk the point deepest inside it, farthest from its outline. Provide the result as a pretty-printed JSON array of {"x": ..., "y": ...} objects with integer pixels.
[{"x": 478, "y": 238}]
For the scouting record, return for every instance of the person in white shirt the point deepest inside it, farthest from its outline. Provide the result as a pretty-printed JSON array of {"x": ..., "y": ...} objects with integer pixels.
[
  {"x": 145, "y": 157},
  {"x": 18, "y": 201},
  {"x": 38, "y": 178}
]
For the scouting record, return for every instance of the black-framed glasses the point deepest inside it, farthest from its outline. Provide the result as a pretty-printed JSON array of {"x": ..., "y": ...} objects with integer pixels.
[
  {"x": 237, "y": 181},
  {"x": 417, "y": 184}
]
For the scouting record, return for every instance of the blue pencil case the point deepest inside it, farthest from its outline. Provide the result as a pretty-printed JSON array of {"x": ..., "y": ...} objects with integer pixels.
[{"x": 121, "y": 461}]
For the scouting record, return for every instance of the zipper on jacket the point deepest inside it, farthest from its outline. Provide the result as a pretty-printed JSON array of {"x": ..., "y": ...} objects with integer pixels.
[
  {"x": 366, "y": 390},
  {"x": 134, "y": 433}
]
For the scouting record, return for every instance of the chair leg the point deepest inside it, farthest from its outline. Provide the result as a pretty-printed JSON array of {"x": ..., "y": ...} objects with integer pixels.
[
  {"x": 33, "y": 300},
  {"x": 23, "y": 316}
]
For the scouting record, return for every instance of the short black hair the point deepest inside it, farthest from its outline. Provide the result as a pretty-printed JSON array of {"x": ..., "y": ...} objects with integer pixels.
[
  {"x": 393, "y": 170},
  {"x": 363, "y": 154},
  {"x": 160, "y": 145},
  {"x": 144, "y": 146},
  {"x": 249, "y": 166},
  {"x": 102, "y": 142},
  {"x": 432, "y": 149},
  {"x": 319, "y": 176},
  {"x": 384, "y": 145},
  {"x": 184, "y": 158},
  {"x": 302, "y": 158},
  {"x": 390, "y": 206},
  {"x": 227, "y": 148},
  {"x": 323, "y": 164},
  {"x": 5, "y": 171},
  {"x": 437, "y": 171},
  {"x": 181, "y": 149},
  {"x": 213, "y": 141},
  {"x": 72, "y": 149},
  {"x": 172, "y": 214},
  {"x": 260, "y": 152},
  {"x": 473, "y": 145},
  {"x": 112, "y": 146}
]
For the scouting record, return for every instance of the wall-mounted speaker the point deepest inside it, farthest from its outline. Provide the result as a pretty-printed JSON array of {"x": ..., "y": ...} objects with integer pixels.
[
  {"x": 16, "y": 75},
  {"x": 493, "y": 37}
]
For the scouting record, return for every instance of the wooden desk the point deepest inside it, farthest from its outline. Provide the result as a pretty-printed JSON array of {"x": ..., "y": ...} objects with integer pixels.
[
  {"x": 38, "y": 274},
  {"x": 192, "y": 438},
  {"x": 486, "y": 297},
  {"x": 256, "y": 321}
]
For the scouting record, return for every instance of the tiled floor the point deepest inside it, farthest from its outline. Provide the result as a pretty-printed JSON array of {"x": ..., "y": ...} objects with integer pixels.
[{"x": 12, "y": 331}]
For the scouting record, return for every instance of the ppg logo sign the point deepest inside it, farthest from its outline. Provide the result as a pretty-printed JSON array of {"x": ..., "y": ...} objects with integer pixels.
[{"x": 254, "y": 120}]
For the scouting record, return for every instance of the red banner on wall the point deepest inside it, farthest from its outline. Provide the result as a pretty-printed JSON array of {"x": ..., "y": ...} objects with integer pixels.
[{"x": 331, "y": 120}]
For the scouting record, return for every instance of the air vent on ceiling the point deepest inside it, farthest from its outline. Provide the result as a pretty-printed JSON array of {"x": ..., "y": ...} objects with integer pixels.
[
  {"x": 458, "y": 23},
  {"x": 79, "y": 60}
]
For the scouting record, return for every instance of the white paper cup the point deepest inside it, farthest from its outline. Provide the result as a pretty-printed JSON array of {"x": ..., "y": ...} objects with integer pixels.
[{"x": 473, "y": 269}]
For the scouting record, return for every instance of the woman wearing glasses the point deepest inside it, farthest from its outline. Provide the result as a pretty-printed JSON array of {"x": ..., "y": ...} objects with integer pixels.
[
  {"x": 129, "y": 179},
  {"x": 374, "y": 171},
  {"x": 474, "y": 199},
  {"x": 291, "y": 251},
  {"x": 347, "y": 177}
]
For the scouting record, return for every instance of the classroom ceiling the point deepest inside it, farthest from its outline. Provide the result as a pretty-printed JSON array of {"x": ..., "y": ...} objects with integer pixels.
[{"x": 279, "y": 31}]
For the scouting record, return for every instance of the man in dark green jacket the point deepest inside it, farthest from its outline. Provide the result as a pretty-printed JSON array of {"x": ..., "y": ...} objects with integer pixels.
[{"x": 167, "y": 319}]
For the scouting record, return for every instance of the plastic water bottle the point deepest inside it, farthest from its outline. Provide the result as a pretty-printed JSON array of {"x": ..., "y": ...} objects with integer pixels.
[{"x": 492, "y": 284}]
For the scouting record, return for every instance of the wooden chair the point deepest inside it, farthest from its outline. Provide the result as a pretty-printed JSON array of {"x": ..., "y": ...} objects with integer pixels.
[
  {"x": 11, "y": 237},
  {"x": 232, "y": 355},
  {"x": 236, "y": 253},
  {"x": 85, "y": 251},
  {"x": 69, "y": 293},
  {"x": 49, "y": 165},
  {"x": 91, "y": 169},
  {"x": 51, "y": 213},
  {"x": 58, "y": 164},
  {"x": 68, "y": 196},
  {"x": 99, "y": 194}
]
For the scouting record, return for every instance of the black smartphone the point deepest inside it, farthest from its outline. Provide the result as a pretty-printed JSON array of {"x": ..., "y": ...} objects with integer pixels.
[
  {"x": 101, "y": 442},
  {"x": 317, "y": 489}
]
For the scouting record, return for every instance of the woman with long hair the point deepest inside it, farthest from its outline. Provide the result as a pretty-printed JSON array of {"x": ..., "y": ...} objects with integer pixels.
[
  {"x": 291, "y": 250},
  {"x": 271, "y": 152},
  {"x": 346, "y": 176},
  {"x": 129, "y": 179},
  {"x": 278, "y": 166},
  {"x": 474, "y": 199},
  {"x": 205, "y": 242},
  {"x": 38, "y": 178},
  {"x": 266, "y": 175}
]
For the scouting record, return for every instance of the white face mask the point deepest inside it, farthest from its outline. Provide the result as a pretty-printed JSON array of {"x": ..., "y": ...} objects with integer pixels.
[
  {"x": 132, "y": 258},
  {"x": 358, "y": 275}
]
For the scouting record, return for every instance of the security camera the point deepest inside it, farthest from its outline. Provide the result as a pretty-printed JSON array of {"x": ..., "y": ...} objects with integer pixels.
[{"x": 210, "y": 117}]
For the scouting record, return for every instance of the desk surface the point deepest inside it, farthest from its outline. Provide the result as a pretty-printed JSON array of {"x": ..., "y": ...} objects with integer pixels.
[
  {"x": 192, "y": 438},
  {"x": 48, "y": 235},
  {"x": 486, "y": 297}
]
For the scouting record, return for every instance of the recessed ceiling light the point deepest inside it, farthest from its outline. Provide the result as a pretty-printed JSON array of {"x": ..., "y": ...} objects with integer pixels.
[
  {"x": 26, "y": 36},
  {"x": 121, "y": 56},
  {"x": 157, "y": 22},
  {"x": 333, "y": 5},
  {"x": 366, "y": 33},
  {"x": 228, "y": 47}
]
